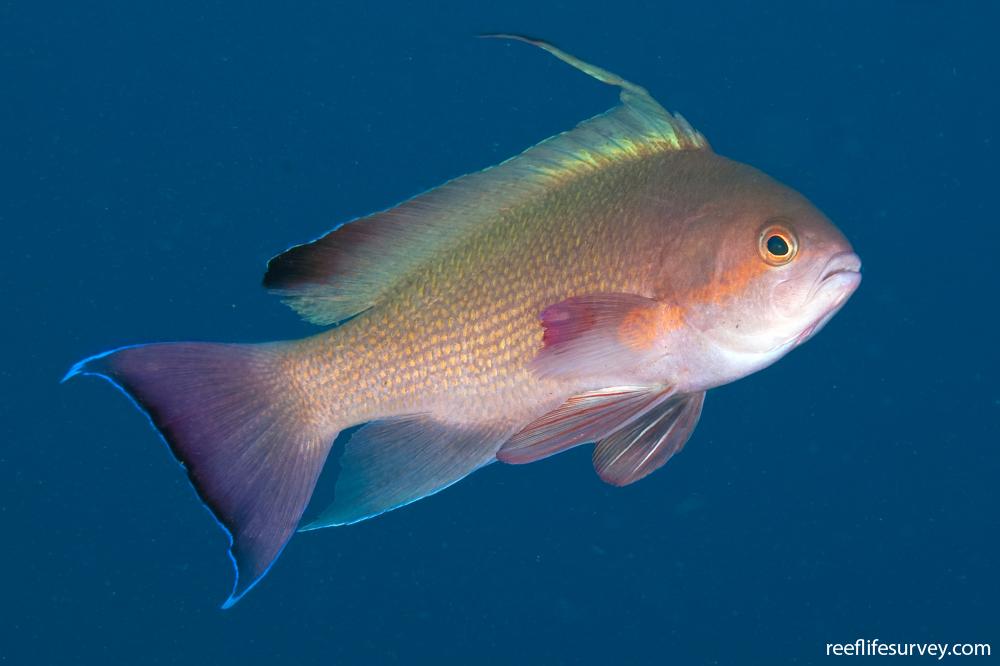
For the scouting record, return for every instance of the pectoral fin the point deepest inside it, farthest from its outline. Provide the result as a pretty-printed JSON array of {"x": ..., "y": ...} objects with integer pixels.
[
  {"x": 587, "y": 335},
  {"x": 646, "y": 443}
]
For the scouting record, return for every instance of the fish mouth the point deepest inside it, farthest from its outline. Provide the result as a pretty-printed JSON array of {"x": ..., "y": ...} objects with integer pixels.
[
  {"x": 841, "y": 275},
  {"x": 839, "y": 279},
  {"x": 845, "y": 264}
]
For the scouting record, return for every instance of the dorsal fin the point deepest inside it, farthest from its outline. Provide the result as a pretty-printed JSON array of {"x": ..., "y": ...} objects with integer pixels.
[{"x": 350, "y": 269}]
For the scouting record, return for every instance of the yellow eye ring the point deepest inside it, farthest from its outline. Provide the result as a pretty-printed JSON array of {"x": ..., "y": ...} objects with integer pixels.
[{"x": 777, "y": 245}]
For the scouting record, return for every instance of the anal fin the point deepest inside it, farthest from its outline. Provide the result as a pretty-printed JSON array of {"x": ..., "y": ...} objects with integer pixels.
[{"x": 394, "y": 462}]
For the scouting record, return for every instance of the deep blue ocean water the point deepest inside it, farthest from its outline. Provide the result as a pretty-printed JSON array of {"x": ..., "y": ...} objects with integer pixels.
[{"x": 155, "y": 155}]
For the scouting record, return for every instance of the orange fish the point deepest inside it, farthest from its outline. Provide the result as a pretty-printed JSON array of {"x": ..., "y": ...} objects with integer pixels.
[{"x": 590, "y": 289}]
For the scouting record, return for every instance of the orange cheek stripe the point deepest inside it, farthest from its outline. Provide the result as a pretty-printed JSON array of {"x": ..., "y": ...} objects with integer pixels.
[
  {"x": 731, "y": 282},
  {"x": 641, "y": 327}
]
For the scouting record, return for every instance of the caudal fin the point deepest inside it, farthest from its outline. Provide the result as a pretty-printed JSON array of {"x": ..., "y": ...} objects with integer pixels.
[{"x": 244, "y": 437}]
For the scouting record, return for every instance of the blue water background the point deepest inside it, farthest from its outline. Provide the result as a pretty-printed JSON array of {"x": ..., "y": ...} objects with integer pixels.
[{"x": 154, "y": 155}]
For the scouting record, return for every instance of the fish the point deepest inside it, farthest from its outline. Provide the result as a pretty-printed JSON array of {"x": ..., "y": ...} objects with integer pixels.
[{"x": 588, "y": 290}]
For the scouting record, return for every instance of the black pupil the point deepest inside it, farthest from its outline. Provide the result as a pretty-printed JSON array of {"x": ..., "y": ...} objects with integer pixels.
[{"x": 777, "y": 246}]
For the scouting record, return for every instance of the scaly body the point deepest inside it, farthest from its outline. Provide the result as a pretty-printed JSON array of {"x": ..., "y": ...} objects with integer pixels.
[
  {"x": 589, "y": 290},
  {"x": 458, "y": 338}
]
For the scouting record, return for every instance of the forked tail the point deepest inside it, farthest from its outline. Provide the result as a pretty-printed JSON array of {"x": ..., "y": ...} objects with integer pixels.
[{"x": 244, "y": 437}]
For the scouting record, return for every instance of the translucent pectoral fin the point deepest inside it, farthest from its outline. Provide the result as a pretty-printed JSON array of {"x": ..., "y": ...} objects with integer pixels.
[{"x": 588, "y": 335}]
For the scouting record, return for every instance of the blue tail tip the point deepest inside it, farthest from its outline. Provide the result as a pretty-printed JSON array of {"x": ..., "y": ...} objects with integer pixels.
[
  {"x": 77, "y": 369},
  {"x": 80, "y": 367}
]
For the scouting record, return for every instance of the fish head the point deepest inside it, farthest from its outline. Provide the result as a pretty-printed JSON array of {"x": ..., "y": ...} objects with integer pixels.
[{"x": 775, "y": 270}]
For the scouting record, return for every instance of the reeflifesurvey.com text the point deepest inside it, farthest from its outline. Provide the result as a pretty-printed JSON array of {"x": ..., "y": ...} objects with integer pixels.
[{"x": 870, "y": 647}]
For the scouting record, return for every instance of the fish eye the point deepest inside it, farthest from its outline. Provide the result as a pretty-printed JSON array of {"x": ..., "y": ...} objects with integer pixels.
[{"x": 777, "y": 245}]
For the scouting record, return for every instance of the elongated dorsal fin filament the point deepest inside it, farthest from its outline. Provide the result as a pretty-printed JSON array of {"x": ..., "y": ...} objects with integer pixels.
[{"x": 599, "y": 73}]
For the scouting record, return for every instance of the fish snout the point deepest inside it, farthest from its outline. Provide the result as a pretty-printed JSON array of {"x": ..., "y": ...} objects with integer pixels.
[
  {"x": 842, "y": 262},
  {"x": 840, "y": 277}
]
